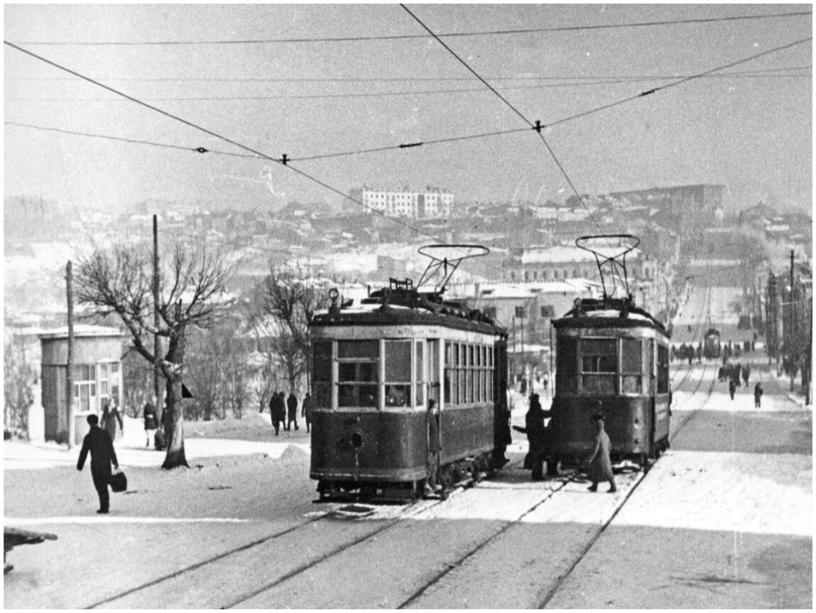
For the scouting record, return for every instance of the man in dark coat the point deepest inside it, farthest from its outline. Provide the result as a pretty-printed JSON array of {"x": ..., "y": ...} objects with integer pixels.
[
  {"x": 150, "y": 422},
  {"x": 732, "y": 387},
  {"x": 536, "y": 436},
  {"x": 276, "y": 411},
  {"x": 306, "y": 410},
  {"x": 99, "y": 443},
  {"x": 600, "y": 461},
  {"x": 758, "y": 395},
  {"x": 291, "y": 405}
]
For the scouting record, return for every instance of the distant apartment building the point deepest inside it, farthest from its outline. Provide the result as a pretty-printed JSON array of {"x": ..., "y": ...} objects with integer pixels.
[{"x": 429, "y": 203}]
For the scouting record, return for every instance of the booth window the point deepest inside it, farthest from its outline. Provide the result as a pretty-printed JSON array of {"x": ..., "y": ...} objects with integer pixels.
[
  {"x": 84, "y": 379},
  {"x": 397, "y": 373},
  {"x": 358, "y": 373},
  {"x": 599, "y": 365},
  {"x": 631, "y": 366}
]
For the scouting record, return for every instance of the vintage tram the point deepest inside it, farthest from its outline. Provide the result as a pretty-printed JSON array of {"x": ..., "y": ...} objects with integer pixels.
[
  {"x": 408, "y": 389},
  {"x": 611, "y": 358}
]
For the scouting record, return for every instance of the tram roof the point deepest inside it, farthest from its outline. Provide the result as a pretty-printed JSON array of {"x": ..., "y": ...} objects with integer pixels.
[{"x": 376, "y": 314}]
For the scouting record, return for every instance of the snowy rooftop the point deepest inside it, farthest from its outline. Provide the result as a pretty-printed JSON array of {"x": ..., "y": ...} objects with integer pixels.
[
  {"x": 80, "y": 330},
  {"x": 563, "y": 253}
]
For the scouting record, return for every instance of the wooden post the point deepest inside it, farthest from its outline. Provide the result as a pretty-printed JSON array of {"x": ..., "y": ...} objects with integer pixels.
[
  {"x": 156, "y": 342},
  {"x": 69, "y": 395}
]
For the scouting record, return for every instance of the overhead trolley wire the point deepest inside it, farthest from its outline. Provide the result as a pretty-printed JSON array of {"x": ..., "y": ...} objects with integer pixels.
[
  {"x": 535, "y": 126},
  {"x": 460, "y": 138},
  {"x": 123, "y": 139},
  {"x": 576, "y": 82},
  {"x": 284, "y": 161},
  {"x": 679, "y": 81},
  {"x": 397, "y": 37},
  {"x": 602, "y": 79}
]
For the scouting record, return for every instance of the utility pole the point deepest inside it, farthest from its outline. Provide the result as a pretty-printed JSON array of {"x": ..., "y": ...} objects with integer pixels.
[
  {"x": 156, "y": 343},
  {"x": 790, "y": 334},
  {"x": 69, "y": 386}
]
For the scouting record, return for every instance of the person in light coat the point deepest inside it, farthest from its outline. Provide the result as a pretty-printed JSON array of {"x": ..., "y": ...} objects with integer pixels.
[{"x": 600, "y": 461}]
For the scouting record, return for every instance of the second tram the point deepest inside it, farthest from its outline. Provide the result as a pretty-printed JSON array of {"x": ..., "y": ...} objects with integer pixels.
[{"x": 612, "y": 358}]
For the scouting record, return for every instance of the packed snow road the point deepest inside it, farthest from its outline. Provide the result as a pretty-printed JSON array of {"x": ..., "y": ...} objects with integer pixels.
[{"x": 722, "y": 520}]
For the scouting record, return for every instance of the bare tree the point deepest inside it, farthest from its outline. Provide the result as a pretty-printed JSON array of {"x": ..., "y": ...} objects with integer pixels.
[
  {"x": 19, "y": 376},
  {"x": 217, "y": 368},
  {"x": 191, "y": 288},
  {"x": 285, "y": 304}
]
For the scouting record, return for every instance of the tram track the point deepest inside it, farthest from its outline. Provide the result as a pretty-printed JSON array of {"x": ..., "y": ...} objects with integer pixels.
[
  {"x": 594, "y": 539},
  {"x": 328, "y": 516}
]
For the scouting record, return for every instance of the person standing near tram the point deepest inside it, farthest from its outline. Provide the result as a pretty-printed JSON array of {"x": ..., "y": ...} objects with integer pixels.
[
  {"x": 536, "y": 436},
  {"x": 600, "y": 462}
]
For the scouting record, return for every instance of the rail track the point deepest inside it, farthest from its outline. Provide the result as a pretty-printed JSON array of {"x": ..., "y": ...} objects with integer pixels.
[{"x": 366, "y": 531}]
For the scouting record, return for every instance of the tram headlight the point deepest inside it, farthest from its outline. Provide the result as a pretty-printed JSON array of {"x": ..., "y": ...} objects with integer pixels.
[{"x": 357, "y": 440}]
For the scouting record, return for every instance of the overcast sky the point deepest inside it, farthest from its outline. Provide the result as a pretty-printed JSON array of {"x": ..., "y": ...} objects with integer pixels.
[{"x": 752, "y": 131}]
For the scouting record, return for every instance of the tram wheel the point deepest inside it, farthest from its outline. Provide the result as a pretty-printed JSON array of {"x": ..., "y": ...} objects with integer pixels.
[
  {"x": 445, "y": 480},
  {"x": 475, "y": 472}
]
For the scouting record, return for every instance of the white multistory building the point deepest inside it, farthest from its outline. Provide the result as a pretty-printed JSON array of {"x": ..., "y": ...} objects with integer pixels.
[{"x": 432, "y": 202}]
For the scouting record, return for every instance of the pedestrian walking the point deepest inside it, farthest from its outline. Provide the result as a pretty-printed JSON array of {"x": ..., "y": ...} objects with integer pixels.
[
  {"x": 746, "y": 373},
  {"x": 277, "y": 412},
  {"x": 600, "y": 462},
  {"x": 732, "y": 387},
  {"x": 99, "y": 444},
  {"x": 758, "y": 395},
  {"x": 292, "y": 405},
  {"x": 150, "y": 422},
  {"x": 536, "y": 437},
  {"x": 306, "y": 410},
  {"x": 111, "y": 415}
]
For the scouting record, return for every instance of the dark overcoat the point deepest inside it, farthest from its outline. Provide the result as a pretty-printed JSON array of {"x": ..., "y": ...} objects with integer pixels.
[{"x": 100, "y": 446}]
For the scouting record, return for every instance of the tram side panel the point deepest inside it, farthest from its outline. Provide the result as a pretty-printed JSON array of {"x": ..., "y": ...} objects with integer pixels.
[{"x": 386, "y": 446}]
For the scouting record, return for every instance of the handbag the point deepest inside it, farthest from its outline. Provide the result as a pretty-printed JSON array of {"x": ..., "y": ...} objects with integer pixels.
[{"x": 118, "y": 481}]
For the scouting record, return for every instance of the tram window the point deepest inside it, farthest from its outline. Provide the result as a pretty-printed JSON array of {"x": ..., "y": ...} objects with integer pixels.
[
  {"x": 599, "y": 356},
  {"x": 397, "y": 373},
  {"x": 631, "y": 365},
  {"x": 358, "y": 349},
  {"x": 398, "y": 361},
  {"x": 566, "y": 377},
  {"x": 358, "y": 373},
  {"x": 322, "y": 360},
  {"x": 599, "y": 385},
  {"x": 357, "y": 396},
  {"x": 662, "y": 369},
  {"x": 632, "y": 355},
  {"x": 420, "y": 374},
  {"x": 397, "y": 395}
]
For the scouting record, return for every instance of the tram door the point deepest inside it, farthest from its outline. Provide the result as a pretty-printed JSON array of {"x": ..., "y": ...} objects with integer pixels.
[{"x": 434, "y": 406}]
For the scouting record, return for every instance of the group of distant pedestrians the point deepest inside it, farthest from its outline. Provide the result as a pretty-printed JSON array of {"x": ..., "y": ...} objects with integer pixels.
[
  {"x": 738, "y": 375},
  {"x": 283, "y": 410}
]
